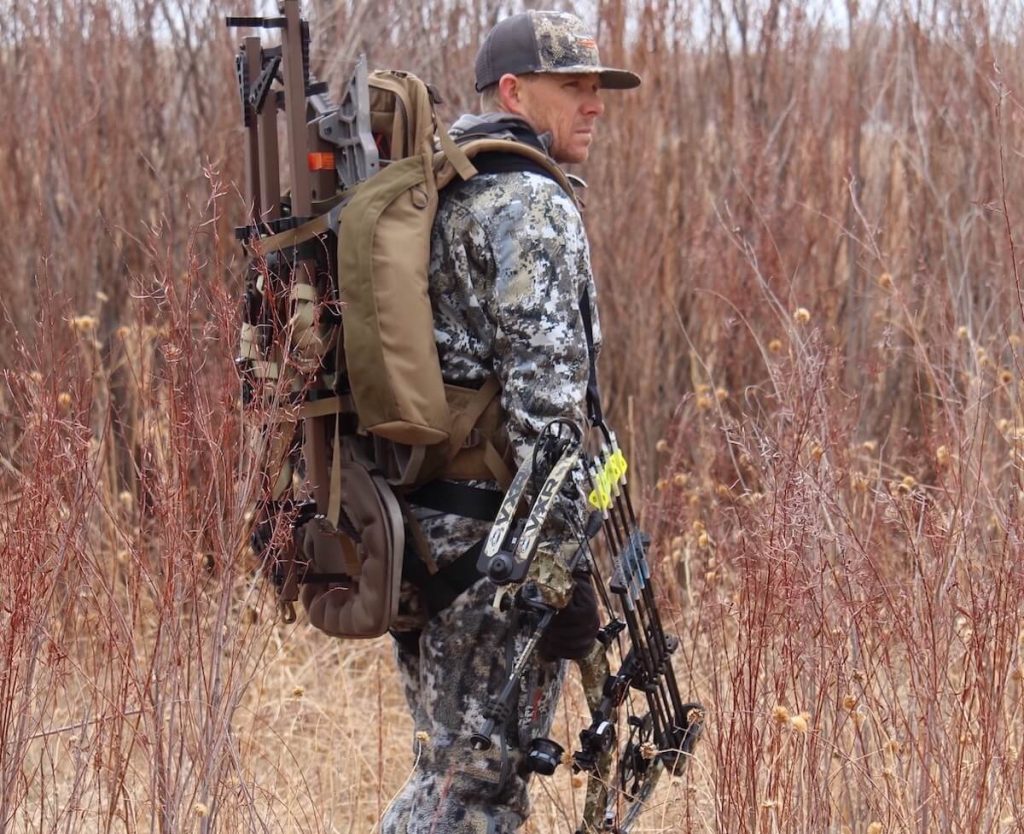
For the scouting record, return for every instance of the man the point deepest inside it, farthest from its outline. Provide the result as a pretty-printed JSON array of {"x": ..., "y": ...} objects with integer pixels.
[{"x": 510, "y": 270}]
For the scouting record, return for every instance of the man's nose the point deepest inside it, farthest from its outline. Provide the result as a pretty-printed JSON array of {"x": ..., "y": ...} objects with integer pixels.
[{"x": 593, "y": 106}]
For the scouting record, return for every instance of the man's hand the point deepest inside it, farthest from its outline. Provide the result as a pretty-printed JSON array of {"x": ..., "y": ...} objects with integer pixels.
[{"x": 573, "y": 630}]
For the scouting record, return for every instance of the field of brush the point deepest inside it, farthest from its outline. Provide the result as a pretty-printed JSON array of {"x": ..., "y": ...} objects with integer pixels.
[{"x": 807, "y": 228}]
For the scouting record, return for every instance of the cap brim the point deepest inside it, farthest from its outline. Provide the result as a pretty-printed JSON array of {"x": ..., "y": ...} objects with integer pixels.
[
  {"x": 611, "y": 79},
  {"x": 618, "y": 79}
]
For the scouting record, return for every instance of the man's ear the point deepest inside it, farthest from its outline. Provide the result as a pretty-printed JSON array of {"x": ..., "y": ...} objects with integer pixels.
[{"x": 510, "y": 93}]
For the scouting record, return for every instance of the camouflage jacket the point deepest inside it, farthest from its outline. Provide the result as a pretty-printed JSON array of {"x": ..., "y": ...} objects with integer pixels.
[{"x": 509, "y": 264}]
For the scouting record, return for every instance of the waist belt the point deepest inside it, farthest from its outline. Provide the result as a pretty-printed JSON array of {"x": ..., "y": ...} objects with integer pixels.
[{"x": 457, "y": 499}]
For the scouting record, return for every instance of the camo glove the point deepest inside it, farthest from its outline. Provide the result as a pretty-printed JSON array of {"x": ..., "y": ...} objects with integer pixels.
[{"x": 573, "y": 630}]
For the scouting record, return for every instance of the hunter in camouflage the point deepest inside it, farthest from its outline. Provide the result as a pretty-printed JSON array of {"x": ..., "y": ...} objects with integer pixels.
[
  {"x": 509, "y": 267},
  {"x": 509, "y": 264}
]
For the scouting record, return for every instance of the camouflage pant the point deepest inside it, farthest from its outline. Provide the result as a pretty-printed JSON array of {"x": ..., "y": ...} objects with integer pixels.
[{"x": 460, "y": 660}]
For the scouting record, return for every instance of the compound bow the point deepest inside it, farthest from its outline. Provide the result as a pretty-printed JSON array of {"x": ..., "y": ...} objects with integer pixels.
[{"x": 622, "y": 769}]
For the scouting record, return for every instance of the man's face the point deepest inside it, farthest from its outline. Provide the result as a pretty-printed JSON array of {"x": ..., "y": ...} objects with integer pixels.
[{"x": 566, "y": 106}]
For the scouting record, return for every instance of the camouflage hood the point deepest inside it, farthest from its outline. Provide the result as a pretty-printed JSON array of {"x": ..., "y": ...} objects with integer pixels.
[{"x": 499, "y": 126}]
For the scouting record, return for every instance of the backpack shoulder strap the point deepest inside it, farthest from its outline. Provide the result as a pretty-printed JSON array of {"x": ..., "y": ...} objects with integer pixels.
[
  {"x": 491, "y": 155},
  {"x": 502, "y": 162}
]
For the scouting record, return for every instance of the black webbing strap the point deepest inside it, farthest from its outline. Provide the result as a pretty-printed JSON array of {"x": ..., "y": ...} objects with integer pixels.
[
  {"x": 508, "y": 162},
  {"x": 409, "y": 641},
  {"x": 440, "y": 589},
  {"x": 327, "y": 579},
  {"x": 457, "y": 499},
  {"x": 593, "y": 394}
]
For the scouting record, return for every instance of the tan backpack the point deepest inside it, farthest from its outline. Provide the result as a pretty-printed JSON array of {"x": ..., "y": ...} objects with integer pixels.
[{"x": 354, "y": 348}]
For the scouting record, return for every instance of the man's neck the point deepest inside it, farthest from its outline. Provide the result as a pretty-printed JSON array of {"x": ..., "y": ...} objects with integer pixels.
[{"x": 503, "y": 123}]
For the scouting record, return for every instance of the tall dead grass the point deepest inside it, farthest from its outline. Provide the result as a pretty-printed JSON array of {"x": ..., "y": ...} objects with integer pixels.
[{"x": 806, "y": 228}]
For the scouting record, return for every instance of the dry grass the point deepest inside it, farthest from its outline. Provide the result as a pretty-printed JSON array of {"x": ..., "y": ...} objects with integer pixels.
[{"x": 807, "y": 232}]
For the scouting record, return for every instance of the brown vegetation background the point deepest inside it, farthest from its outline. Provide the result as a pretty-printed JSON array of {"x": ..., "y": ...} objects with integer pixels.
[{"x": 806, "y": 227}]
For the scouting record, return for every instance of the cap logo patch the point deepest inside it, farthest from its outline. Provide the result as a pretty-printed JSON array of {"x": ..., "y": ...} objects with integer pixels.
[{"x": 587, "y": 43}]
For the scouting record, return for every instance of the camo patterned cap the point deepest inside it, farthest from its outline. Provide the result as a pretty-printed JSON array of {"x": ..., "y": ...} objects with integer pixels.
[{"x": 544, "y": 42}]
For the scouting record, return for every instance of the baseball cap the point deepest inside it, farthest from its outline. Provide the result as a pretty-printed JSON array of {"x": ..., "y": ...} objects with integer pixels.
[{"x": 544, "y": 42}]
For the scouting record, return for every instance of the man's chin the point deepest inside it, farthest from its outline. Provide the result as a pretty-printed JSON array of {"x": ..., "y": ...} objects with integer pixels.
[{"x": 573, "y": 157}]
